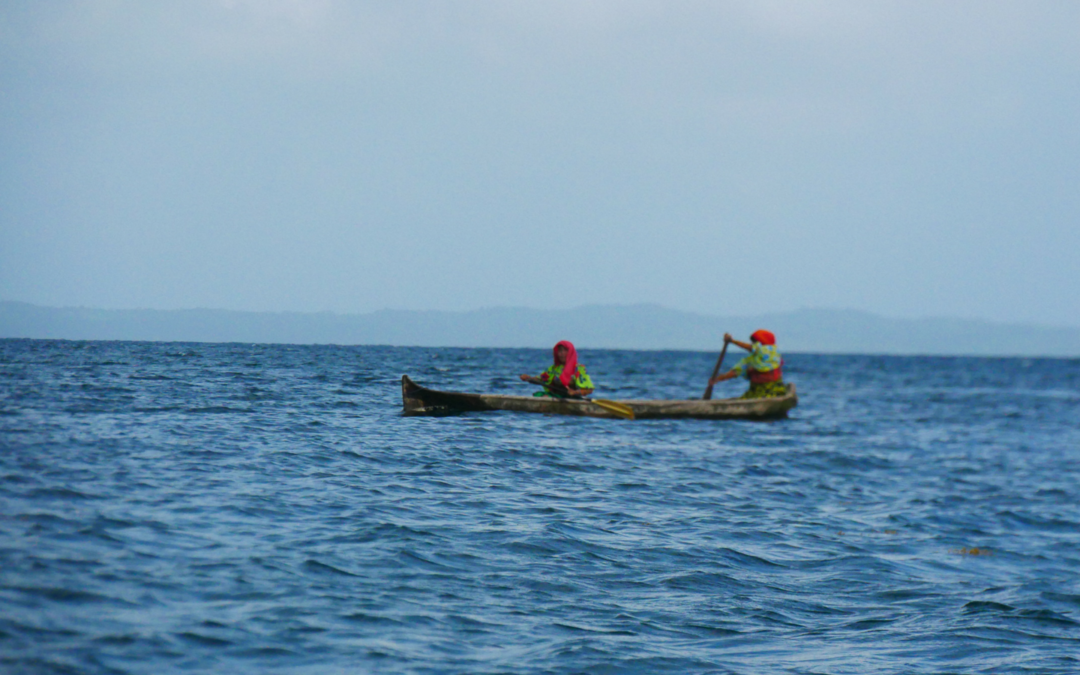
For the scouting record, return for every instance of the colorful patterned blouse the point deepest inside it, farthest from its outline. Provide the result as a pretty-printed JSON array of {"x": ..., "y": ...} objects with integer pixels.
[
  {"x": 762, "y": 358},
  {"x": 581, "y": 378}
]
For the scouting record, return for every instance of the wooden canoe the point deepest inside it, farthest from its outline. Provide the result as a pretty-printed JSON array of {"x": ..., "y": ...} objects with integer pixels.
[{"x": 423, "y": 401}]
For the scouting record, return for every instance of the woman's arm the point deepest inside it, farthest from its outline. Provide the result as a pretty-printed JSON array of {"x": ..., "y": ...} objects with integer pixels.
[
  {"x": 745, "y": 345},
  {"x": 582, "y": 384},
  {"x": 726, "y": 376}
]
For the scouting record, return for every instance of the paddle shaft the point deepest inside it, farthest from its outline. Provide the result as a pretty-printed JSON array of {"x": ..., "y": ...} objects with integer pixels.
[
  {"x": 715, "y": 372},
  {"x": 619, "y": 409},
  {"x": 556, "y": 386}
]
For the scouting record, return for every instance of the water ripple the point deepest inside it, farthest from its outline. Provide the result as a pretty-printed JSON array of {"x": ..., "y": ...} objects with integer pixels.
[{"x": 256, "y": 508}]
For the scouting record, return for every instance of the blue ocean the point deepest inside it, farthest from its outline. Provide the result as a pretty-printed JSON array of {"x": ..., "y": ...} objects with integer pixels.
[{"x": 239, "y": 508}]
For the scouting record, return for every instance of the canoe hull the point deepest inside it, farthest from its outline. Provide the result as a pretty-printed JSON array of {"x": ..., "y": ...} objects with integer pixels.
[{"x": 419, "y": 400}]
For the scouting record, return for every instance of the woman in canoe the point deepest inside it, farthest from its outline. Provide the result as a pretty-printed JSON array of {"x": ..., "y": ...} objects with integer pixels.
[
  {"x": 762, "y": 367},
  {"x": 565, "y": 377}
]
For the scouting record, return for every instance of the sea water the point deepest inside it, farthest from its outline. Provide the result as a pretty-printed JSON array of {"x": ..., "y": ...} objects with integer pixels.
[{"x": 236, "y": 508}]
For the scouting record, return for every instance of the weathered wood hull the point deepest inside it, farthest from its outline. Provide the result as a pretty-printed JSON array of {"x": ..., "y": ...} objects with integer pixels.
[{"x": 423, "y": 401}]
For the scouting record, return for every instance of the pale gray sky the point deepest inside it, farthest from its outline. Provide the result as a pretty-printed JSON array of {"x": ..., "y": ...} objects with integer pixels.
[{"x": 908, "y": 158}]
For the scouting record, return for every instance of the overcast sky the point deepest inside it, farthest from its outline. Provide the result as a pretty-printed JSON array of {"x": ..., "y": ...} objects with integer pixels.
[{"x": 907, "y": 158}]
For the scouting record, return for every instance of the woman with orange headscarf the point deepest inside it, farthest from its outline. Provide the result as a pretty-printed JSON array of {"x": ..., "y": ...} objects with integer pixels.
[
  {"x": 762, "y": 367},
  {"x": 565, "y": 377}
]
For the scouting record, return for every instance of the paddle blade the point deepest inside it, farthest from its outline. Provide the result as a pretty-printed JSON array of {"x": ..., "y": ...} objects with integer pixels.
[{"x": 620, "y": 409}]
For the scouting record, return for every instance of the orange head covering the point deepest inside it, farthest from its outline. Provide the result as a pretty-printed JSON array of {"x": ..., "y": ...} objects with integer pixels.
[
  {"x": 763, "y": 336},
  {"x": 570, "y": 367}
]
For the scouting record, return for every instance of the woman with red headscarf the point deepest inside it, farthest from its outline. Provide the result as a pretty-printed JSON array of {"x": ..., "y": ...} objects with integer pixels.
[
  {"x": 762, "y": 367},
  {"x": 565, "y": 377}
]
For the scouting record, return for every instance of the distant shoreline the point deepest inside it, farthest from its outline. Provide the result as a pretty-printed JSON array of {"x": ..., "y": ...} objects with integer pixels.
[
  {"x": 729, "y": 360},
  {"x": 635, "y": 327}
]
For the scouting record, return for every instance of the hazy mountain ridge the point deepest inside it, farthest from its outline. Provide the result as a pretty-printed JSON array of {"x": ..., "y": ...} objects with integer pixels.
[{"x": 604, "y": 326}]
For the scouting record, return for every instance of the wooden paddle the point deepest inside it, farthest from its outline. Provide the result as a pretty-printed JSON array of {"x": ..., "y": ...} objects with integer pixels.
[
  {"x": 715, "y": 372},
  {"x": 621, "y": 409}
]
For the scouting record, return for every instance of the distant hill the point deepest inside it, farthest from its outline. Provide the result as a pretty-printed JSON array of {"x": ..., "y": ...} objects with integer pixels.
[{"x": 605, "y": 326}]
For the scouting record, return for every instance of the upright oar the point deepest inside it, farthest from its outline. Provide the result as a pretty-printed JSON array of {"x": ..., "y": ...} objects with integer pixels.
[{"x": 715, "y": 372}]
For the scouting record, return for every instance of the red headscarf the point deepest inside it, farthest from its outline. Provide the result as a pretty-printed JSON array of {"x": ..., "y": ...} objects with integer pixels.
[
  {"x": 764, "y": 337},
  {"x": 570, "y": 367}
]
